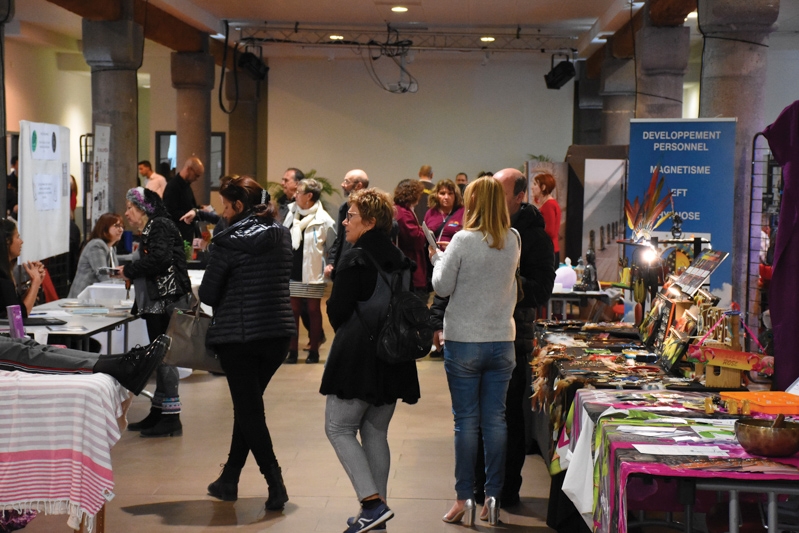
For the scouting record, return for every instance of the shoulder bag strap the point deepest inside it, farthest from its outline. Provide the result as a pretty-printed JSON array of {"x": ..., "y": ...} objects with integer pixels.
[
  {"x": 444, "y": 224},
  {"x": 372, "y": 335}
]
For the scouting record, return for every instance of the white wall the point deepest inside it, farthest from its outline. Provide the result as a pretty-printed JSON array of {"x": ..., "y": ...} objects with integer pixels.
[
  {"x": 37, "y": 91},
  {"x": 330, "y": 116},
  {"x": 161, "y": 111}
]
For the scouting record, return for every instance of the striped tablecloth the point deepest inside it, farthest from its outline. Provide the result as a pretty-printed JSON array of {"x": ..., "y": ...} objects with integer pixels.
[{"x": 56, "y": 434}]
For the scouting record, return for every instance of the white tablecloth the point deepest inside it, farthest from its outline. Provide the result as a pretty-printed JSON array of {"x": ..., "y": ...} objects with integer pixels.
[{"x": 56, "y": 434}]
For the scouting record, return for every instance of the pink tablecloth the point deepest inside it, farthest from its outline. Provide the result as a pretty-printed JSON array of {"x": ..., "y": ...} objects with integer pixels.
[{"x": 56, "y": 434}]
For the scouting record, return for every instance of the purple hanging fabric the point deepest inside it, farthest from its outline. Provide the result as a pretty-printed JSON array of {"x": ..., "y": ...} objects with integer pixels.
[{"x": 783, "y": 139}]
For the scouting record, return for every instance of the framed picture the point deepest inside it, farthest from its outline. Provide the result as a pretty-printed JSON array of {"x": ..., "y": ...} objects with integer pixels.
[{"x": 678, "y": 339}]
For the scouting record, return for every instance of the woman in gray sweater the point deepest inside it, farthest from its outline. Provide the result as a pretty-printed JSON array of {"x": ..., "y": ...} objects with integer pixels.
[
  {"x": 99, "y": 252},
  {"x": 477, "y": 272}
]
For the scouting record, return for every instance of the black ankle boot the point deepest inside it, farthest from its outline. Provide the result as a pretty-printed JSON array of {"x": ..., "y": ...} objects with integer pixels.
[
  {"x": 167, "y": 426},
  {"x": 133, "y": 369},
  {"x": 277, "y": 490},
  {"x": 148, "y": 421},
  {"x": 313, "y": 357},
  {"x": 226, "y": 487},
  {"x": 291, "y": 359}
]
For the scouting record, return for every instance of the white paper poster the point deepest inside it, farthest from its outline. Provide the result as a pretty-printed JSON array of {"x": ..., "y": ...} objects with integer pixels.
[
  {"x": 102, "y": 144},
  {"x": 43, "y": 218},
  {"x": 44, "y": 142},
  {"x": 46, "y": 191}
]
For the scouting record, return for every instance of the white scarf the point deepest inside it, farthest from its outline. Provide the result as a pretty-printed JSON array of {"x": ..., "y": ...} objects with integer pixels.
[{"x": 298, "y": 226}]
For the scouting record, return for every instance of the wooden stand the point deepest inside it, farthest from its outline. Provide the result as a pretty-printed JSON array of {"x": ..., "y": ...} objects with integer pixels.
[{"x": 719, "y": 376}]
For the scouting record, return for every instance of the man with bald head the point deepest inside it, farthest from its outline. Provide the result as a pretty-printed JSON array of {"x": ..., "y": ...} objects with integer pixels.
[
  {"x": 179, "y": 197},
  {"x": 354, "y": 180},
  {"x": 537, "y": 272}
]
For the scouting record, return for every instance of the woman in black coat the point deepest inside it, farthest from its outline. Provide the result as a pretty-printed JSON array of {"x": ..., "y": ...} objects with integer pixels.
[
  {"x": 161, "y": 281},
  {"x": 362, "y": 390},
  {"x": 247, "y": 284}
]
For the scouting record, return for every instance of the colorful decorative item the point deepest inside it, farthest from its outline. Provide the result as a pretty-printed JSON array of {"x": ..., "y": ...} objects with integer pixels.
[{"x": 644, "y": 217}]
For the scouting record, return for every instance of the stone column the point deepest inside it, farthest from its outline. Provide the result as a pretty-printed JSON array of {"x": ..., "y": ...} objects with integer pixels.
[
  {"x": 733, "y": 85},
  {"x": 617, "y": 88},
  {"x": 193, "y": 77},
  {"x": 113, "y": 50},
  {"x": 661, "y": 55},
  {"x": 242, "y": 125},
  {"x": 6, "y": 6}
]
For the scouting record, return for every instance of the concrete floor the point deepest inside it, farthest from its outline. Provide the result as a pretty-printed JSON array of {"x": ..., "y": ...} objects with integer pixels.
[{"x": 161, "y": 483}]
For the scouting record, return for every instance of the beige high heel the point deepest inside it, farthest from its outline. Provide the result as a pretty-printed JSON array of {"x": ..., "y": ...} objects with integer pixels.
[{"x": 465, "y": 515}]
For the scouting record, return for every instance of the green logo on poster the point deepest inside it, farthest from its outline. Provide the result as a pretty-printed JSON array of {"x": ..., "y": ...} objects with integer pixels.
[{"x": 33, "y": 141}]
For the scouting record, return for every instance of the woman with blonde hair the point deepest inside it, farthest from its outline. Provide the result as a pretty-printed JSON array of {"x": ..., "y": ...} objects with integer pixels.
[{"x": 479, "y": 331}]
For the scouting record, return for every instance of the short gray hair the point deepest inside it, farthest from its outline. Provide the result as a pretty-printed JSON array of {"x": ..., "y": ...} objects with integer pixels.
[{"x": 310, "y": 185}]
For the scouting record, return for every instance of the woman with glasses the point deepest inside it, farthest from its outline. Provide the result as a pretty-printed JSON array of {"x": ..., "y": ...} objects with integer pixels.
[
  {"x": 98, "y": 253},
  {"x": 361, "y": 390}
]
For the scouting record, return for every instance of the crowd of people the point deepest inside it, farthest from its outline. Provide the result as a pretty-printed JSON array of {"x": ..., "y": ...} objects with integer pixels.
[{"x": 267, "y": 269}]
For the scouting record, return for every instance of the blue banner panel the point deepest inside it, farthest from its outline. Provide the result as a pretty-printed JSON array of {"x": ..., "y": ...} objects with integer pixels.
[{"x": 696, "y": 157}]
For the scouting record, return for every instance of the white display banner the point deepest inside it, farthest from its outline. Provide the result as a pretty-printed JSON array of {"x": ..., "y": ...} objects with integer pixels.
[
  {"x": 43, "y": 218},
  {"x": 44, "y": 141},
  {"x": 46, "y": 192},
  {"x": 102, "y": 146}
]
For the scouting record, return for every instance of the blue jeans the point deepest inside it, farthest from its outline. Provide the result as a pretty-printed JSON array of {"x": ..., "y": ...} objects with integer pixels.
[{"x": 478, "y": 374}]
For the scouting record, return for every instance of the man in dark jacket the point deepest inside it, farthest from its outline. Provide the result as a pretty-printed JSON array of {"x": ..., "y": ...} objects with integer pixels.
[
  {"x": 537, "y": 271},
  {"x": 179, "y": 197},
  {"x": 353, "y": 180}
]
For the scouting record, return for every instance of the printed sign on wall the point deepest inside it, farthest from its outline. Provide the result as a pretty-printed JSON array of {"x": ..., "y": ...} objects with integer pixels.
[{"x": 696, "y": 157}]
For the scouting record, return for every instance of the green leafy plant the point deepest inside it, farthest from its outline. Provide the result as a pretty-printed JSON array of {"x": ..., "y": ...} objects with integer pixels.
[{"x": 328, "y": 190}]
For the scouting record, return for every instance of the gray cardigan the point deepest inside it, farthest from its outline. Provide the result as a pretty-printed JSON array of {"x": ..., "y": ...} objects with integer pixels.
[
  {"x": 481, "y": 284},
  {"x": 95, "y": 254}
]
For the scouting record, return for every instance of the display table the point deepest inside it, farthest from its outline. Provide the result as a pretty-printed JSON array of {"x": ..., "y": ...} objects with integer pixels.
[
  {"x": 624, "y": 438},
  {"x": 82, "y": 326},
  {"x": 566, "y": 296},
  {"x": 56, "y": 434}
]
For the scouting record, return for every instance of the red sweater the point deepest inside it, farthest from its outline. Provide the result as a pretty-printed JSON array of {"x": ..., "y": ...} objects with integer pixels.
[
  {"x": 412, "y": 242},
  {"x": 551, "y": 212}
]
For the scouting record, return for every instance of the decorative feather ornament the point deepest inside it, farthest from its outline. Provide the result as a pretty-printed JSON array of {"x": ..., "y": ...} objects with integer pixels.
[{"x": 644, "y": 217}]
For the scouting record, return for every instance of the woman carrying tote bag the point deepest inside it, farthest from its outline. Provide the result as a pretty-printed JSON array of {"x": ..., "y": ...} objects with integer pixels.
[{"x": 247, "y": 284}]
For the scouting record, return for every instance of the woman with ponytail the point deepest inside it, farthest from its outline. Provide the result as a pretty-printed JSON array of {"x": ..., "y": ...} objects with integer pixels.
[{"x": 247, "y": 284}]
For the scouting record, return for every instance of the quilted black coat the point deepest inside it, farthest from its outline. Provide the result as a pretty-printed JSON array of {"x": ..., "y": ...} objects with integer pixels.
[{"x": 247, "y": 283}]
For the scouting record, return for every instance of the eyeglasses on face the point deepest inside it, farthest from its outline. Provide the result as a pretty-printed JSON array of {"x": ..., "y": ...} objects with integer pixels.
[
  {"x": 350, "y": 214},
  {"x": 120, "y": 226}
]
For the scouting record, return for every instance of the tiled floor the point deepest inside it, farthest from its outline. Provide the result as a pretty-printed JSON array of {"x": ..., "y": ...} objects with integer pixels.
[{"x": 161, "y": 483}]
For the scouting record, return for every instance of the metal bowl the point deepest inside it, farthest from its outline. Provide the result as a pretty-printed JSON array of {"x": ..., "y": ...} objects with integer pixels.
[{"x": 758, "y": 437}]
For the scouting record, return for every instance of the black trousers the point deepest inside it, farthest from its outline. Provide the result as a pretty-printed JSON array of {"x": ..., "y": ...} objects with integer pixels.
[
  {"x": 516, "y": 401},
  {"x": 249, "y": 367}
]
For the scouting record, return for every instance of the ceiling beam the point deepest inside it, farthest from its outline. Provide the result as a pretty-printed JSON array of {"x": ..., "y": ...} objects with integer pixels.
[
  {"x": 593, "y": 65},
  {"x": 159, "y": 26},
  {"x": 168, "y": 30},
  {"x": 622, "y": 44},
  {"x": 96, "y": 10},
  {"x": 670, "y": 12}
]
